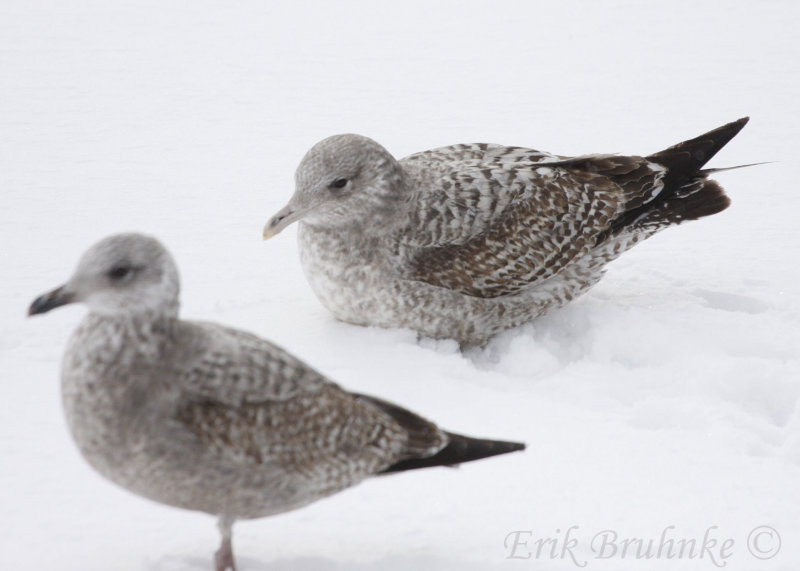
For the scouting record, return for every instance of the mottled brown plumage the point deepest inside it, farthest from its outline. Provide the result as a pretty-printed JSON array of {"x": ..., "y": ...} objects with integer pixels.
[
  {"x": 468, "y": 240},
  {"x": 203, "y": 417}
]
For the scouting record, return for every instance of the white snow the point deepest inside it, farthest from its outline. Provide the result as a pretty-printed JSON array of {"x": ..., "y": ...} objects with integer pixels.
[{"x": 667, "y": 396}]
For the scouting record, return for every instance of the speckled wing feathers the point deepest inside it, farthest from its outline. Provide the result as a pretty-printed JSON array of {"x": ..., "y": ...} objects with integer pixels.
[
  {"x": 462, "y": 190},
  {"x": 423, "y": 438},
  {"x": 325, "y": 437},
  {"x": 234, "y": 367},
  {"x": 495, "y": 225},
  {"x": 252, "y": 402}
]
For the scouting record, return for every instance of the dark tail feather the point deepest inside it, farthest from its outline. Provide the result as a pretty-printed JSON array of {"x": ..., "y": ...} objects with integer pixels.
[
  {"x": 687, "y": 193},
  {"x": 692, "y": 201},
  {"x": 696, "y": 201},
  {"x": 685, "y": 159},
  {"x": 459, "y": 449}
]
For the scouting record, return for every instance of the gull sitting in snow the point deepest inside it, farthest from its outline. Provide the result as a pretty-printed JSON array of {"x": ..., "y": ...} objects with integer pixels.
[
  {"x": 466, "y": 241},
  {"x": 208, "y": 418}
]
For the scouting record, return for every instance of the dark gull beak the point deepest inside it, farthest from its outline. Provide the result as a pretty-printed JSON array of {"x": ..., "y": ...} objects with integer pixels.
[{"x": 56, "y": 298}]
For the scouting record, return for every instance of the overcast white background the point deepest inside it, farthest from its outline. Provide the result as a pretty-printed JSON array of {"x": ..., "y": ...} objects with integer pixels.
[{"x": 667, "y": 396}]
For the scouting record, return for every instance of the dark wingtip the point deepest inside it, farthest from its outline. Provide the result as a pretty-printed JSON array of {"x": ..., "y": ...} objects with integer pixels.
[
  {"x": 684, "y": 160},
  {"x": 732, "y": 128},
  {"x": 699, "y": 150},
  {"x": 741, "y": 122},
  {"x": 460, "y": 449}
]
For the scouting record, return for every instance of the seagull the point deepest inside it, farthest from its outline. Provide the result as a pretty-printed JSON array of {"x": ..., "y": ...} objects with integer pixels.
[
  {"x": 204, "y": 417},
  {"x": 465, "y": 241}
]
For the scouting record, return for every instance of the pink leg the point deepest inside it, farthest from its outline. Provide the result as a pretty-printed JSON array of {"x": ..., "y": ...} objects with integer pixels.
[{"x": 223, "y": 558}]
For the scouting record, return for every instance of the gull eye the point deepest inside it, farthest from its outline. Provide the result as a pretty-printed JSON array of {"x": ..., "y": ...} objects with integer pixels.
[
  {"x": 338, "y": 183},
  {"x": 119, "y": 272}
]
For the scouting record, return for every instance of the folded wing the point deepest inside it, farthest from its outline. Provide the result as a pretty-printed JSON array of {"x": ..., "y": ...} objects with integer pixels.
[{"x": 512, "y": 218}]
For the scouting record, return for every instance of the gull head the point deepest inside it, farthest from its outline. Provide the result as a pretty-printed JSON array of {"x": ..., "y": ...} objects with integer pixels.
[
  {"x": 343, "y": 179},
  {"x": 124, "y": 274}
]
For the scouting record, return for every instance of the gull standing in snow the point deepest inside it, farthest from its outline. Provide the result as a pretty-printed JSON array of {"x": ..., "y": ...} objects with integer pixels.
[
  {"x": 466, "y": 241},
  {"x": 208, "y": 418}
]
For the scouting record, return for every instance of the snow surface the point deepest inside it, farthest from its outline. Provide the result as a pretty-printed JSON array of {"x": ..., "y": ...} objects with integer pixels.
[{"x": 667, "y": 396}]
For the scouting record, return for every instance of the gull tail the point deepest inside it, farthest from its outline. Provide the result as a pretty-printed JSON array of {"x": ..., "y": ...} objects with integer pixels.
[
  {"x": 687, "y": 193},
  {"x": 428, "y": 446}
]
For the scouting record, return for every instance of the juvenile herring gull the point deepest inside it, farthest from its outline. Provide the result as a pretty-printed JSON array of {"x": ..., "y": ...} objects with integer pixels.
[
  {"x": 465, "y": 241},
  {"x": 208, "y": 418}
]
